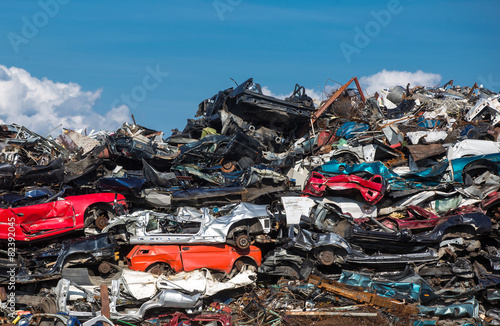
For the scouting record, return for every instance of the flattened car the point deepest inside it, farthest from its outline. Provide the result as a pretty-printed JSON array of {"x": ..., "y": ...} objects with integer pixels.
[
  {"x": 162, "y": 259},
  {"x": 236, "y": 224},
  {"x": 48, "y": 263},
  {"x": 60, "y": 216},
  {"x": 305, "y": 250},
  {"x": 371, "y": 190}
]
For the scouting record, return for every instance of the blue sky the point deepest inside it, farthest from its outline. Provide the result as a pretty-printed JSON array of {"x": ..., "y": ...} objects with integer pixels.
[{"x": 101, "y": 50}]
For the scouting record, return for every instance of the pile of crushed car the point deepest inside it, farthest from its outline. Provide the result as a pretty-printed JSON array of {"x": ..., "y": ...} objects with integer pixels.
[{"x": 380, "y": 210}]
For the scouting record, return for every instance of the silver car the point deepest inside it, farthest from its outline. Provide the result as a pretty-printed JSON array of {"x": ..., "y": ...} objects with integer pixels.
[{"x": 236, "y": 224}]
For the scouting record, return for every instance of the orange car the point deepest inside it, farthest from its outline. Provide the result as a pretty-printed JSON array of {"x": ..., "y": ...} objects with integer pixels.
[{"x": 168, "y": 259}]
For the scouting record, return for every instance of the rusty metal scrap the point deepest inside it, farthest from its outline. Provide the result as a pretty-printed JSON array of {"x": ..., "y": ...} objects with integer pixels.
[
  {"x": 358, "y": 294},
  {"x": 331, "y": 313}
]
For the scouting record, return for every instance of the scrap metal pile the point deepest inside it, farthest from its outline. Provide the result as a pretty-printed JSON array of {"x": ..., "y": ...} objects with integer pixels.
[{"x": 261, "y": 211}]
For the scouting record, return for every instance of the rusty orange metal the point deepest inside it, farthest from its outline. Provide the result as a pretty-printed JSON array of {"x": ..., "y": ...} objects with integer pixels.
[{"x": 358, "y": 294}]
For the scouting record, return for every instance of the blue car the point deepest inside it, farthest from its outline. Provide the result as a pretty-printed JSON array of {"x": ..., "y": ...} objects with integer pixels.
[{"x": 462, "y": 170}]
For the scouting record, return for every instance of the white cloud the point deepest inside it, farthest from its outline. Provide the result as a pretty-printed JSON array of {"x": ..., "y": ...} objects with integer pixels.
[
  {"x": 386, "y": 79},
  {"x": 268, "y": 92},
  {"x": 41, "y": 104}
]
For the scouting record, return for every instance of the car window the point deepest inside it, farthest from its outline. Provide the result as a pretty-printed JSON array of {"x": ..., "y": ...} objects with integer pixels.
[{"x": 152, "y": 225}]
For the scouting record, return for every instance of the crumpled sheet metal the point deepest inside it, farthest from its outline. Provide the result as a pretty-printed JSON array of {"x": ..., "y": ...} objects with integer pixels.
[
  {"x": 420, "y": 152},
  {"x": 398, "y": 290},
  {"x": 73, "y": 141},
  {"x": 139, "y": 284},
  {"x": 144, "y": 226},
  {"x": 371, "y": 190},
  {"x": 432, "y": 145},
  {"x": 184, "y": 290},
  {"x": 202, "y": 281},
  {"x": 472, "y": 147},
  {"x": 356, "y": 294},
  {"x": 469, "y": 308}
]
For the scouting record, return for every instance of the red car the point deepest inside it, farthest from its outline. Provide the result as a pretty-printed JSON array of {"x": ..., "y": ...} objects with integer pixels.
[
  {"x": 41, "y": 221},
  {"x": 418, "y": 219},
  {"x": 371, "y": 190},
  {"x": 165, "y": 259}
]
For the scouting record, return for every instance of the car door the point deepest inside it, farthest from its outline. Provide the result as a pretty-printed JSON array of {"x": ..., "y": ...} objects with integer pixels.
[
  {"x": 8, "y": 224},
  {"x": 45, "y": 217},
  {"x": 212, "y": 256}
]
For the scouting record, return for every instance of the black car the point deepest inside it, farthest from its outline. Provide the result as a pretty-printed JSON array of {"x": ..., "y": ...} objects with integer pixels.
[{"x": 47, "y": 263}]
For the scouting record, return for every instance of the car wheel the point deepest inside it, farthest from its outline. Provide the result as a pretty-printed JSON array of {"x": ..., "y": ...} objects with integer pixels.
[
  {"x": 243, "y": 241},
  {"x": 227, "y": 166},
  {"x": 160, "y": 269},
  {"x": 96, "y": 219},
  {"x": 326, "y": 257},
  {"x": 105, "y": 268}
]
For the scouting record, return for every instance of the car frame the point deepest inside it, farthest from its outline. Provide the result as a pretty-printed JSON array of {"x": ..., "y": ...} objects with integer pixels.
[
  {"x": 461, "y": 170},
  {"x": 236, "y": 225}
]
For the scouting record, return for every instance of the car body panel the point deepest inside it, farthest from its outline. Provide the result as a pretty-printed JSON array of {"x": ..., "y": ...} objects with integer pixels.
[
  {"x": 458, "y": 165},
  {"x": 296, "y": 207},
  {"x": 472, "y": 147},
  {"x": 418, "y": 219},
  {"x": 303, "y": 249},
  {"x": 369, "y": 235},
  {"x": 220, "y": 257},
  {"x": 45, "y": 217},
  {"x": 405, "y": 241}
]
